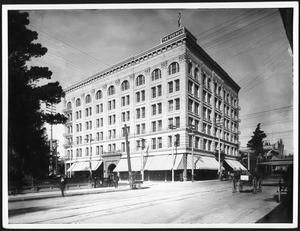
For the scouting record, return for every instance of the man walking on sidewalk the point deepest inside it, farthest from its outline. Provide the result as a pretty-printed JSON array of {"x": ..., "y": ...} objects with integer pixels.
[{"x": 62, "y": 184}]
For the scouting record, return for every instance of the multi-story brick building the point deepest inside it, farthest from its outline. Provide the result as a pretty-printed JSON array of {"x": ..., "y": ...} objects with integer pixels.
[{"x": 175, "y": 82}]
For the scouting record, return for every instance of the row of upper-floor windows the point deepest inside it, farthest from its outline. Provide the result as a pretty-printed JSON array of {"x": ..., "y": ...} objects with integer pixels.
[
  {"x": 194, "y": 89},
  {"x": 140, "y": 80}
]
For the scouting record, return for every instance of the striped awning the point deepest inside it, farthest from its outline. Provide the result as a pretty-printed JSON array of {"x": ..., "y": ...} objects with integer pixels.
[
  {"x": 84, "y": 166},
  {"x": 235, "y": 165},
  {"x": 122, "y": 166}
]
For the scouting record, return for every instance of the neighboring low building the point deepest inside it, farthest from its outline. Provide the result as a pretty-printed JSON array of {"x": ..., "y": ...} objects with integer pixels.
[{"x": 174, "y": 83}]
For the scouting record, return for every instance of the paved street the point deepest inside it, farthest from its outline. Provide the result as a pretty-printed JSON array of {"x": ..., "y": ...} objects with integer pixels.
[{"x": 210, "y": 202}]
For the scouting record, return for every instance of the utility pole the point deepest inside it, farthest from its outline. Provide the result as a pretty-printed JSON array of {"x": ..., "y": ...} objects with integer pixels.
[
  {"x": 90, "y": 165},
  {"x": 193, "y": 128},
  {"x": 171, "y": 126},
  {"x": 128, "y": 156},
  {"x": 51, "y": 109},
  {"x": 219, "y": 123},
  {"x": 142, "y": 146}
]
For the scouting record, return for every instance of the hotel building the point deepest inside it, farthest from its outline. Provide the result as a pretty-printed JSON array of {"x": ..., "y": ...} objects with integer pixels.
[{"x": 174, "y": 83}]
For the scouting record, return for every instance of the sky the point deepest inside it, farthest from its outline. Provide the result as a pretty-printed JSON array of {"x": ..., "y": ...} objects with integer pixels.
[{"x": 250, "y": 44}]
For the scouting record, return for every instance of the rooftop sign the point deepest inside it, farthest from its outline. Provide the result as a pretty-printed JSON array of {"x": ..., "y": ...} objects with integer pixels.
[{"x": 173, "y": 35}]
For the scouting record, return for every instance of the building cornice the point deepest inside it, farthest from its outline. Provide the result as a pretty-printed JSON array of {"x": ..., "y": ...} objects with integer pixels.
[{"x": 130, "y": 62}]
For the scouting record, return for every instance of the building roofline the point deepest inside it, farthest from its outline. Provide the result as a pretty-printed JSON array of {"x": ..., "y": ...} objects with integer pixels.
[{"x": 183, "y": 34}]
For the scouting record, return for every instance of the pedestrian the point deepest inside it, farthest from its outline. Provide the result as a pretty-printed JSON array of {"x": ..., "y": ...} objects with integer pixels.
[
  {"x": 62, "y": 184},
  {"x": 234, "y": 180},
  {"x": 116, "y": 181},
  {"x": 95, "y": 182}
]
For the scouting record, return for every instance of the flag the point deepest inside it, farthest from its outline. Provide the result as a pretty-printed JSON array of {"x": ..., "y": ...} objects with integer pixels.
[{"x": 179, "y": 19}]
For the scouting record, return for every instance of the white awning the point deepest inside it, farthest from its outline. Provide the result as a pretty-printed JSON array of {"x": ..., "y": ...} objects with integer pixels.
[
  {"x": 235, "y": 165},
  {"x": 122, "y": 166},
  {"x": 162, "y": 162},
  {"x": 202, "y": 162},
  {"x": 85, "y": 166}
]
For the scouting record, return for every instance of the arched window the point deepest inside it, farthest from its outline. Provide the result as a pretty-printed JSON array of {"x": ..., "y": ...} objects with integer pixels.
[
  {"x": 88, "y": 99},
  {"x": 140, "y": 80},
  {"x": 173, "y": 68},
  {"x": 156, "y": 74},
  {"x": 99, "y": 94},
  {"x": 125, "y": 85},
  {"x": 78, "y": 102},
  {"x": 111, "y": 90},
  {"x": 69, "y": 105}
]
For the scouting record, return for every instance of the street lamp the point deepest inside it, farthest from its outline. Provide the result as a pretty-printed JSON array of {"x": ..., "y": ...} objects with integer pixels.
[
  {"x": 193, "y": 128},
  {"x": 219, "y": 123},
  {"x": 171, "y": 126},
  {"x": 142, "y": 146},
  {"x": 90, "y": 141}
]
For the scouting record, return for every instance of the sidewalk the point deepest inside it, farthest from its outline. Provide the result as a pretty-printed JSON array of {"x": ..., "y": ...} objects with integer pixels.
[
  {"x": 68, "y": 192},
  {"x": 123, "y": 186}
]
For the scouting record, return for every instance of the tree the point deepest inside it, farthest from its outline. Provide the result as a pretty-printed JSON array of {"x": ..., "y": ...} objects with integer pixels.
[
  {"x": 256, "y": 146},
  {"x": 28, "y": 146}
]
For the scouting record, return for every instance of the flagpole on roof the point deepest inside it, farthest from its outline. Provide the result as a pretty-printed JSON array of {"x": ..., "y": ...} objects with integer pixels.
[{"x": 179, "y": 19}]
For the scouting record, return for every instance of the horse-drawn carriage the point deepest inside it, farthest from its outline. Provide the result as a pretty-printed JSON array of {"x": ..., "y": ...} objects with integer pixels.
[
  {"x": 242, "y": 180},
  {"x": 135, "y": 180}
]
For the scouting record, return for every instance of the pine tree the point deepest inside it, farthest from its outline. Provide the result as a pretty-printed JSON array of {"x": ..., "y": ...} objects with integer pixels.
[
  {"x": 28, "y": 147},
  {"x": 256, "y": 146}
]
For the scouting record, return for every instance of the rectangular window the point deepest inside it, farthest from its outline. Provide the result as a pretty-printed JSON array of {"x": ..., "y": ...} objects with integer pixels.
[
  {"x": 153, "y": 109},
  {"x": 177, "y": 85},
  {"x": 153, "y": 143},
  {"x": 177, "y": 122},
  {"x": 159, "y": 141},
  {"x": 143, "y": 112},
  {"x": 123, "y": 101},
  {"x": 170, "y": 105},
  {"x": 177, "y": 101},
  {"x": 109, "y": 105},
  {"x": 97, "y": 109},
  {"x": 127, "y": 99},
  {"x": 98, "y": 123},
  {"x": 138, "y": 113},
  {"x": 154, "y": 126},
  {"x": 143, "y": 128},
  {"x": 138, "y": 129},
  {"x": 159, "y": 125},
  {"x": 169, "y": 141},
  {"x": 170, "y": 86},
  {"x": 159, "y": 90},
  {"x": 170, "y": 121},
  {"x": 153, "y": 90},
  {"x": 159, "y": 108},
  {"x": 123, "y": 117},
  {"x": 128, "y": 115},
  {"x": 137, "y": 97},
  {"x": 143, "y": 95}
]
